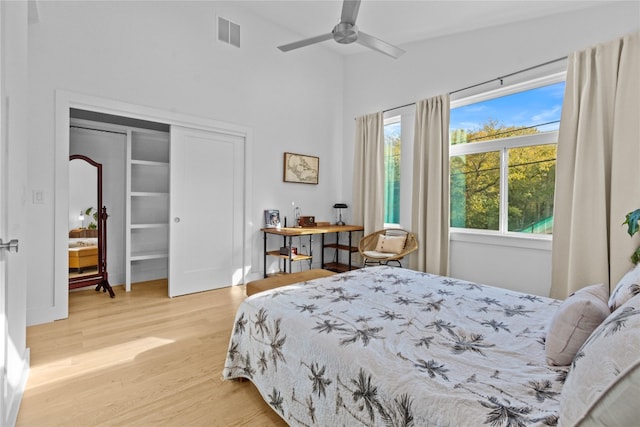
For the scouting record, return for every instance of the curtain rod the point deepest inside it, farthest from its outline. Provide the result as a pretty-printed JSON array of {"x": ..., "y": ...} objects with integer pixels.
[{"x": 500, "y": 79}]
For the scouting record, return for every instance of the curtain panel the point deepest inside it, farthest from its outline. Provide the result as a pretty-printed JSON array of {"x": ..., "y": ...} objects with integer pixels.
[
  {"x": 597, "y": 164},
  {"x": 368, "y": 173},
  {"x": 430, "y": 193}
]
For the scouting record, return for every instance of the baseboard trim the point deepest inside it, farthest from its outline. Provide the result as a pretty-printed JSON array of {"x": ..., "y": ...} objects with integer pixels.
[{"x": 14, "y": 400}]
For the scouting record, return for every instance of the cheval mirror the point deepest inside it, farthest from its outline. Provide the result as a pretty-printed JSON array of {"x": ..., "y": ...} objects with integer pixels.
[{"x": 87, "y": 246}]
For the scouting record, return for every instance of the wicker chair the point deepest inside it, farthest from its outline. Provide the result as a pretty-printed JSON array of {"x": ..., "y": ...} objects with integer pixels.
[{"x": 368, "y": 244}]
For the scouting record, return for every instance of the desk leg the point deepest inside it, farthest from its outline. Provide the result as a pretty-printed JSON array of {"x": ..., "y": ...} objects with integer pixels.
[
  {"x": 264, "y": 254},
  {"x": 290, "y": 254},
  {"x": 349, "y": 251},
  {"x": 322, "y": 251},
  {"x": 284, "y": 243}
]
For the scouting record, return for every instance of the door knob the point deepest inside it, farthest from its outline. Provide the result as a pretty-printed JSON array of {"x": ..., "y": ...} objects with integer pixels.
[
  {"x": 12, "y": 244},
  {"x": 176, "y": 219}
]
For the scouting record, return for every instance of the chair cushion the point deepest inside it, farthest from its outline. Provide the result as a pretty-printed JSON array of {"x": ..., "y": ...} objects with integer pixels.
[
  {"x": 375, "y": 254},
  {"x": 391, "y": 244}
]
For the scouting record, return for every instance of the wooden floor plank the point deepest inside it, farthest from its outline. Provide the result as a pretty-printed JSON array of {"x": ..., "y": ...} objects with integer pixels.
[{"x": 139, "y": 359}]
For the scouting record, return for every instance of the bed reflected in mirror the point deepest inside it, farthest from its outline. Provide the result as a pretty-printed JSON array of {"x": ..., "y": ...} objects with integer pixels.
[
  {"x": 83, "y": 218},
  {"x": 87, "y": 225}
]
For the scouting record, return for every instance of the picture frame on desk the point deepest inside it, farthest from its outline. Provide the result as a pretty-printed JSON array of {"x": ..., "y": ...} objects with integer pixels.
[
  {"x": 272, "y": 218},
  {"x": 300, "y": 168}
]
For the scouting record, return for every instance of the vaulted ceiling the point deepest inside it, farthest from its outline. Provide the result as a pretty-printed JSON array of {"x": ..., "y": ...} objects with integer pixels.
[{"x": 400, "y": 22}]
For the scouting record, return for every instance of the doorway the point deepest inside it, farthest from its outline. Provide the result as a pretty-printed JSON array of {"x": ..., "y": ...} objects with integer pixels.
[{"x": 65, "y": 102}]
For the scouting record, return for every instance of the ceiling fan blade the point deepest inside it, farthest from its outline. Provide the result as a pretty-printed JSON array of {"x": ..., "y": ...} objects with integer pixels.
[
  {"x": 305, "y": 42},
  {"x": 350, "y": 11},
  {"x": 379, "y": 45}
]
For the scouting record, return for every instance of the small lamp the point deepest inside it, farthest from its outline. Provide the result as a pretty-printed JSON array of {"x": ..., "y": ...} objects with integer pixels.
[{"x": 340, "y": 206}]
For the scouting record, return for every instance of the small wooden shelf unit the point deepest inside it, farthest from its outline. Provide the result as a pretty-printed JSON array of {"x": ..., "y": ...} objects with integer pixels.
[{"x": 288, "y": 233}]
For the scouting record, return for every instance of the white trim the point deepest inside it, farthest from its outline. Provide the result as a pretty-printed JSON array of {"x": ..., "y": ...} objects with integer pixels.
[
  {"x": 13, "y": 407},
  {"x": 64, "y": 101},
  {"x": 406, "y": 117},
  {"x": 516, "y": 240},
  {"x": 509, "y": 89},
  {"x": 504, "y": 143}
]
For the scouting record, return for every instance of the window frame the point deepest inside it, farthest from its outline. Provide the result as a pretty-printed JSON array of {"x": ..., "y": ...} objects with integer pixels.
[
  {"x": 406, "y": 116},
  {"x": 503, "y": 145}
]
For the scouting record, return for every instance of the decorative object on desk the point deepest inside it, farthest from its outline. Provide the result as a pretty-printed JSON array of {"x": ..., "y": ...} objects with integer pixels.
[
  {"x": 339, "y": 207},
  {"x": 307, "y": 221},
  {"x": 297, "y": 213},
  {"x": 272, "y": 218},
  {"x": 284, "y": 250},
  {"x": 301, "y": 168}
]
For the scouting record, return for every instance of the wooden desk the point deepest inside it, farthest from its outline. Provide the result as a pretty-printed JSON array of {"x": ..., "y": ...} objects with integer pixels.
[{"x": 291, "y": 232}]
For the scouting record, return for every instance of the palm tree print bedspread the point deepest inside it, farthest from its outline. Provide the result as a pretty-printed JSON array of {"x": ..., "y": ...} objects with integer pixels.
[{"x": 385, "y": 346}]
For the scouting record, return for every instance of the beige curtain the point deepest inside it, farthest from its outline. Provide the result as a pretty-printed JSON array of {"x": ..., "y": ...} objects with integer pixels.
[
  {"x": 368, "y": 173},
  {"x": 430, "y": 198},
  {"x": 597, "y": 166}
]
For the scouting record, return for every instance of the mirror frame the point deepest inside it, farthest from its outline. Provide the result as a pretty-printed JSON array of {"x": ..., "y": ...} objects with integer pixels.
[{"x": 101, "y": 277}]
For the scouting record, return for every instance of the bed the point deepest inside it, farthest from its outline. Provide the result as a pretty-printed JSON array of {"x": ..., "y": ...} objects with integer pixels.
[
  {"x": 395, "y": 347},
  {"x": 83, "y": 252}
]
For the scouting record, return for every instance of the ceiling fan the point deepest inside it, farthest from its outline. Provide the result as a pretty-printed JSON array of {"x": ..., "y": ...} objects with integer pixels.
[{"x": 346, "y": 32}]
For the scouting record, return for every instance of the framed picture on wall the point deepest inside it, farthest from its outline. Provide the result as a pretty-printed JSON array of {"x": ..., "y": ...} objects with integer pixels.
[
  {"x": 300, "y": 168},
  {"x": 271, "y": 218}
]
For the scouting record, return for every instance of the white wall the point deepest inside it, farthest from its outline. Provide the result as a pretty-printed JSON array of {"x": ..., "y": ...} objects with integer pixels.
[
  {"x": 164, "y": 55},
  {"x": 374, "y": 83}
]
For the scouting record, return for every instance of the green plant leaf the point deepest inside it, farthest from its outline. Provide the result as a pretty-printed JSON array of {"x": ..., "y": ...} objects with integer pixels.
[
  {"x": 635, "y": 257},
  {"x": 631, "y": 220}
]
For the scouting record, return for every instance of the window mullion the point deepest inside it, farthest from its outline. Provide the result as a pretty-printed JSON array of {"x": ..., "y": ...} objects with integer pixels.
[{"x": 504, "y": 190}]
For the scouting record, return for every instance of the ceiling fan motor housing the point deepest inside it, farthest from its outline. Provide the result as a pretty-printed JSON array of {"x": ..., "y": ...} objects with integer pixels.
[{"x": 345, "y": 33}]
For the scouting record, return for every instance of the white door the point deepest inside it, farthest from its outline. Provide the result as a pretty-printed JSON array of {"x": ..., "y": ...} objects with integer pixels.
[
  {"x": 206, "y": 210},
  {"x": 14, "y": 356}
]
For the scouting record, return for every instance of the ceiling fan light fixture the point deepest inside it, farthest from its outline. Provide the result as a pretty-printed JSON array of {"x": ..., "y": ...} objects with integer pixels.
[{"x": 345, "y": 33}]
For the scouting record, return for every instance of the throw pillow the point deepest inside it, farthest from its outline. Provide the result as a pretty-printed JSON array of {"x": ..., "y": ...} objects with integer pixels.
[
  {"x": 626, "y": 288},
  {"x": 574, "y": 321},
  {"x": 391, "y": 244},
  {"x": 603, "y": 371}
]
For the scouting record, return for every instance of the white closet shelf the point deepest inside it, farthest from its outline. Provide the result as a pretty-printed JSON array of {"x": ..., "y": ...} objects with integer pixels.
[
  {"x": 141, "y": 256},
  {"x": 150, "y": 225},
  {"x": 148, "y": 163},
  {"x": 149, "y": 194}
]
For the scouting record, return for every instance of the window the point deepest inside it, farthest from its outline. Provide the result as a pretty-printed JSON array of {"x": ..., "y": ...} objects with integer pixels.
[
  {"x": 502, "y": 158},
  {"x": 392, "y": 143},
  {"x": 398, "y": 139}
]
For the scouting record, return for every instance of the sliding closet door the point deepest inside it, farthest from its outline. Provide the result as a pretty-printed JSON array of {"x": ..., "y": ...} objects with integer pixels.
[{"x": 206, "y": 210}]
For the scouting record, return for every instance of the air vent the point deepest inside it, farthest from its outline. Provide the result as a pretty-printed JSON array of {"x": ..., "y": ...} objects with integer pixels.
[{"x": 228, "y": 32}]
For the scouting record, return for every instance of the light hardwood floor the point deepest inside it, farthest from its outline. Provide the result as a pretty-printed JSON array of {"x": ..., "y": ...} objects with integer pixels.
[{"x": 139, "y": 359}]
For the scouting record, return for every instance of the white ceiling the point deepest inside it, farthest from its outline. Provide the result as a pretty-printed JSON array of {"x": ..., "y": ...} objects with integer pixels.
[{"x": 399, "y": 21}]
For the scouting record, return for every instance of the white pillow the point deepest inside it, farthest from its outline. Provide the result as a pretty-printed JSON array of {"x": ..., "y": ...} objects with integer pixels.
[
  {"x": 604, "y": 368},
  {"x": 618, "y": 405},
  {"x": 391, "y": 244},
  {"x": 626, "y": 288},
  {"x": 573, "y": 323}
]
